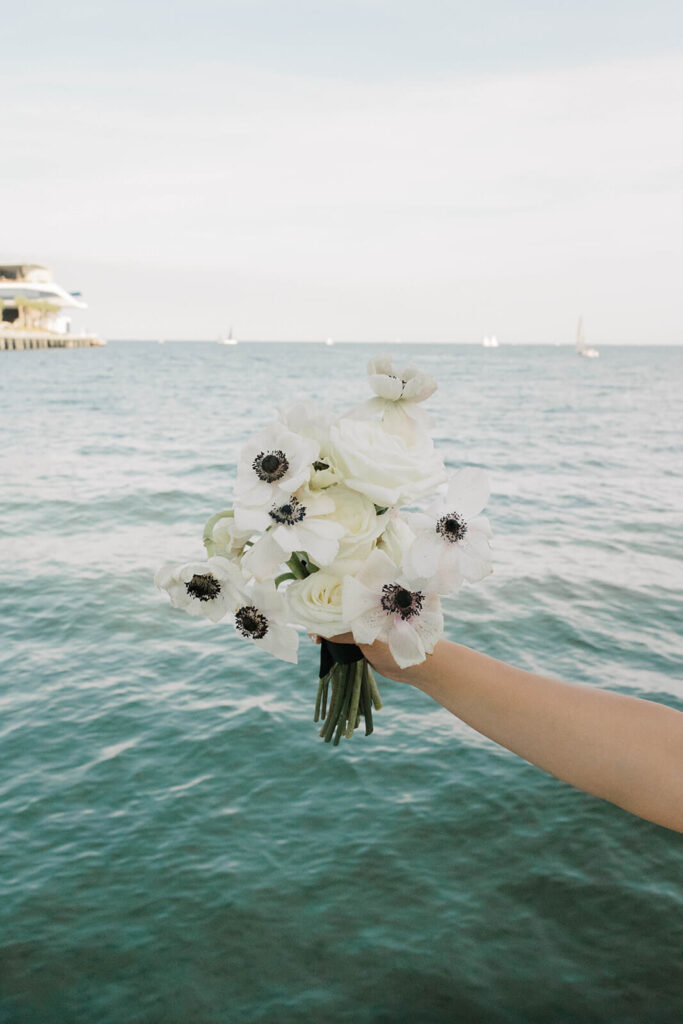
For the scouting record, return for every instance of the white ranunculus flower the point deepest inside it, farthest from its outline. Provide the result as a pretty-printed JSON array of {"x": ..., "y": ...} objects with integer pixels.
[
  {"x": 358, "y": 516},
  {"x": 382, "y": 603},
  {"x": 384, "y": 466},
  {"x": 210, "y": 588},
  {"x": 262, "y": 618},
  {"x": 295, "y": 523},
  {"x": 273, "y": 464},
  {"x": 316, "y": 603},
  {"x": 398, "y": 393},
  {"x": 397, "y": 537},
  {"x": 452, "y": 541},
  {"x": 308, "y": 420},
  {"x": 227, "y": 540},
  {"x": 406, "y": 385}
]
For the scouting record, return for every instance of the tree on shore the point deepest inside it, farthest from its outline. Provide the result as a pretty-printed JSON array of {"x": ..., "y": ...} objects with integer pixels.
[{"x": 33, "y": 313}]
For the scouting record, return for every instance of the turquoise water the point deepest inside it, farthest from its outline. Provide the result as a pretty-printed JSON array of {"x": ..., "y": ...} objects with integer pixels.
[{"x": 178, "y": 845}]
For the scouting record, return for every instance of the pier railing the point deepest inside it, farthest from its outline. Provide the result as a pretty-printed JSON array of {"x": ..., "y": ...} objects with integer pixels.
[{"x": 18, "y": 340}]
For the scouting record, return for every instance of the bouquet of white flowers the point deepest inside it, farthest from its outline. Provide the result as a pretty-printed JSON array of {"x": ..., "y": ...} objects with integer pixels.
[{"x": 324, "y": 535}]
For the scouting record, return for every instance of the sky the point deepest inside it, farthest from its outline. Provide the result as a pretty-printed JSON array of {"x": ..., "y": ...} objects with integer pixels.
[{"x": 361, "y": 169}]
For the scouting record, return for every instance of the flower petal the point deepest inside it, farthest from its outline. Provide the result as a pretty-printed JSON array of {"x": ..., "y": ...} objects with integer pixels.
[
  {"x": 264, "y": 558},
  {"x": 281, "y": 641},
  {"x": 424, "y": 555},
  {"x": 377, "y": 571},
  {"x": 468, "y": 492},
  {"x": 357, "y": 599},
  {"x": 405, "y": 644},
  {"x": 323, "y": 550}
]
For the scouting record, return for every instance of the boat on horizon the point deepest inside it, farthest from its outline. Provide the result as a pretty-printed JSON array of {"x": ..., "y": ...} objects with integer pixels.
[
  {"x": 227, "y": 339},
  {"x": 582, "y": 349},
  {"x": 489, "y": 342}
]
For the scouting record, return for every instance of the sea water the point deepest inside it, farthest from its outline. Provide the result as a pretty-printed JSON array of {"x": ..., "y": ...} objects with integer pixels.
[{"x": 178, "y": 845}]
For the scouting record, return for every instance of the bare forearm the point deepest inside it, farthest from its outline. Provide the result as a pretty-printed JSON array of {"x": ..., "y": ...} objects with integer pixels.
[{"x": 623, "y": 749}]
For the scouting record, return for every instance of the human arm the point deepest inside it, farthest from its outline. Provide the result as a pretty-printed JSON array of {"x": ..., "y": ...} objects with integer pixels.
[{"x": 620, "y": 748}]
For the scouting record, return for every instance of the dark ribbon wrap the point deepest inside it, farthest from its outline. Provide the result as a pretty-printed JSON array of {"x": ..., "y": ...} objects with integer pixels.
[{"x": 340, "y": 654}]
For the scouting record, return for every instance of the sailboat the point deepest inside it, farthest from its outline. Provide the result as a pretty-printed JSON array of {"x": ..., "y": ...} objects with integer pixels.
[
  {"x": 490, "y": 342},
  {"x": 329, "y": 342},
  {"x": 582, "y": 349},
  {"x": 227, "y": 339}
]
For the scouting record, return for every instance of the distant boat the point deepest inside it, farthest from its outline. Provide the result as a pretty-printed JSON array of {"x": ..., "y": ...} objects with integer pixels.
[
  {"x": 228, "y": 339},
  {"x": 330, "y": 341},
  {"x": 582, "y": 349},
  {"x": 490, "y": 342},
  {"x": 160, "y": 341}
]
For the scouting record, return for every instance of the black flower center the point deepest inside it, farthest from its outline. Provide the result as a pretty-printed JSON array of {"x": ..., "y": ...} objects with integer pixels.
[
  {"x": 452, "y": 527},
  {"x": 204, "y": 588},
  {"x": 270, "y": 466},
  {"x": 396, "y": 600},
  {"x": 250, "y": 622},
  {"x": 289, "y": 514}
]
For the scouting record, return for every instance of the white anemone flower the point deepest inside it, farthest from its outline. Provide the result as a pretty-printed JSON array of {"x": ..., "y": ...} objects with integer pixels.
[
  {"x": 294, "y": 523},
  {"x": 211, "y": 588},
  {"x": 275, "y": 462},
  {"x": 398, "y": 393},
  {"x": 452, "y": 541},
  {"x": 261, "y": 618},
  {"x": 383, "y": 603}
]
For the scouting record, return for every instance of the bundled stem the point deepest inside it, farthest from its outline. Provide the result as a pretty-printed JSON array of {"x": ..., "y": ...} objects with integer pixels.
[{"x": 354, "y": 693}]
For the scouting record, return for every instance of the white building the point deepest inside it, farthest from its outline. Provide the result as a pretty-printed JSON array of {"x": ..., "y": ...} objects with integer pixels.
[{"x": 30, "y": 298}]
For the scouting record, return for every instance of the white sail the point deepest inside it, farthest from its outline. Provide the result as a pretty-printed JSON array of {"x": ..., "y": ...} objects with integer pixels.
[
  {"x": 582, "y": 349},
  {"x": 580, "y": 337}
]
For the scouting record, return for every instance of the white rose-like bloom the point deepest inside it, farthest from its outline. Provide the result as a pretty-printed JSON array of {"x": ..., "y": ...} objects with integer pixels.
[
  {"x": 358, "y": 516},
  {"x": 384, "y": 466},
  {"x": 452, "y": 541},
  {"x": 316, "y": 603},
  {"x": 261, "y": 618},
  {"x": 274, "y": 463},
  {"x": 294, "y": 523},
  {"x": 382, "y": 603},
  {"x": 307, "y": 420},
  {"x": 397, "y": 537},
  {"x": 211, "y": 588},
  {"x": 227, "y": 539}
]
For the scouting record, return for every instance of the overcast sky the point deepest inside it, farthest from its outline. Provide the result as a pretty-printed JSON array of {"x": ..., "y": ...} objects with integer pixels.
[{"x": 365, "y": 169}]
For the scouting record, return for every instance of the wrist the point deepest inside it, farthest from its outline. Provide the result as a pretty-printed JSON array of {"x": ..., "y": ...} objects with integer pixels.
[{"x": 424, "y": 675}]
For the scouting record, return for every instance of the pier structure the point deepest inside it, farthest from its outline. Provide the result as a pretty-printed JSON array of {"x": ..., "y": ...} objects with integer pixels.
[
  {"x": 35, "y": 310},
  {"x": 18, "y": 340}
]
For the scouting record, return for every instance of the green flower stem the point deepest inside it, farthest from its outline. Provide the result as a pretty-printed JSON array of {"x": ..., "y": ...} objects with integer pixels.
[
  {"x": 367, "y": 699},
  {"x": 326, "y": 685},
  {"x": 335, "y": 705},
  {"x": 348, "y": 693},
  {"x": 376, "y": 699},
  {"x": 284, "y": 576},
  {"x": 207, "y": 536},
  {"x": 316, "y": 716},
  {"x": 367, "y": 708},
  {"x": 355, "y": 699},
  {"x": 297, "y": 567}
]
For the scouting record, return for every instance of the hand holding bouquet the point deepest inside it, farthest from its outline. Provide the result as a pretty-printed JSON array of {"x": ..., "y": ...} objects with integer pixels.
[{"x": 323, "y": 535}]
